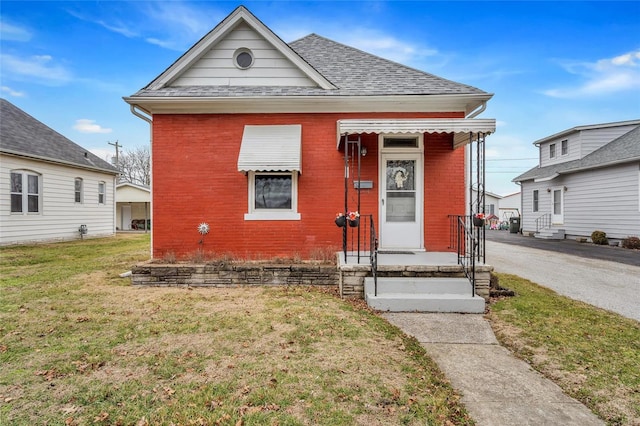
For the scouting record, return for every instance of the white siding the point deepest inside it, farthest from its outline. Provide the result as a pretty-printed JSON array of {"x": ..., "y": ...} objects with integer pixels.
[
  {"x": 596, "y": 138},
  {"x": 580, "y": 143},
  {"x": 59, "y": 217},
  {"x": 603, "y": 199},
  {"x": 270, "y": 68},
  {"x": 507, "y": 205},
  {"x": 131, "y": 194}
]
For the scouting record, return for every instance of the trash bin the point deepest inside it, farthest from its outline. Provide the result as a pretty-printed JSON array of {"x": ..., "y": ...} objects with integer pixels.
[{"x": 514, "y": 225}]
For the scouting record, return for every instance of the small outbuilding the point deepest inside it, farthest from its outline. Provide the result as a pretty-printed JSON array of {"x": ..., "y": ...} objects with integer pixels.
[{"x": 132, "y": 207}]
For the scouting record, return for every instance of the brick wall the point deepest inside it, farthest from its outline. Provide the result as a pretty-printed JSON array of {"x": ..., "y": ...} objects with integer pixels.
[{"x": 195, "y": 179}]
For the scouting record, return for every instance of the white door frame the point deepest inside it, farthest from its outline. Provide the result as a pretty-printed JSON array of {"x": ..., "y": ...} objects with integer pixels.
[
  {"x": 557, "y": 214},
  {"x": 401, "y": 235}
]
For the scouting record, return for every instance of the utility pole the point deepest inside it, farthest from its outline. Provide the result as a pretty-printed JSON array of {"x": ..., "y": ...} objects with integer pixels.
[{"x": 117, "y": 152}]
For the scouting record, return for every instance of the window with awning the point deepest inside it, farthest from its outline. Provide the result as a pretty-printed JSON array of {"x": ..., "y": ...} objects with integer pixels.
[
  {"x": 271, "y": 149},
  {"x": 271, "y": 155}
]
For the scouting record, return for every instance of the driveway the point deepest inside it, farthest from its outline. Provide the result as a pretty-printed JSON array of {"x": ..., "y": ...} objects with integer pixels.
[{"x": 575, "y": 270}]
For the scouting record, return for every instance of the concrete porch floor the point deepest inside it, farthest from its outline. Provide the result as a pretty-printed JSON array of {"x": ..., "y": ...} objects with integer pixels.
[{"x": 401, "y": 258}]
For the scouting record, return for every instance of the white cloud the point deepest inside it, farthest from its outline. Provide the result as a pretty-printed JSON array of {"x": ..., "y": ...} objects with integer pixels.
[
  {"x": 603, "y": 77},
  {"x": 9, "y": 91},
  {"x": 42, "y": 68},
  {"x": 85, "y": 125},
  {"x": 13, "y": 32}
]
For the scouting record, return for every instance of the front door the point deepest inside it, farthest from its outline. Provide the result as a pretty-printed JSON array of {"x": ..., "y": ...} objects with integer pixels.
[
  {"x": 557, "y": 206},
  {"x": 401, "y": 201}
]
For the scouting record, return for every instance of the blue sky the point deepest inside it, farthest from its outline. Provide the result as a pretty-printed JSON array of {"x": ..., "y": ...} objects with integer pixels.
[{"x": 550, "y": 65}]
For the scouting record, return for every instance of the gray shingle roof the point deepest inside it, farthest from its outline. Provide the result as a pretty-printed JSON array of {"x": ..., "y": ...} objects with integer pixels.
[
  {"x": 21, "y": 134},
  {"x": 624, "y": 149},
  {"x": 352, "y": 71}
]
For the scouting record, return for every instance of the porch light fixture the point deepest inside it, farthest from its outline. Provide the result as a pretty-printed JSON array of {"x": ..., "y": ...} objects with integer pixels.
[
  {"x": 363, "y": 151},
  {"x": 565, "y": 188},
  {"x": 548, "y": 189}
]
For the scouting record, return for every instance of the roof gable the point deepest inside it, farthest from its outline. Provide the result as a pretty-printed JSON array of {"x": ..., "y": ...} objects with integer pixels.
[
  {"x": 210, "y": 62},
  {"x": 25, "y": 136}
]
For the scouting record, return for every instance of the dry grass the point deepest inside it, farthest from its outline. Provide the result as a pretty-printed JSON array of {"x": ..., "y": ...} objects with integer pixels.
[
  {"x": 592, "y": 354},
  {"x": 79, "y": 345}
]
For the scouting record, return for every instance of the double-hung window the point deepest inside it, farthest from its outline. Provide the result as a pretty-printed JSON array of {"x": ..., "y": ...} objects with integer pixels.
[
  {"x": 564, "y": 147},
  {"x": 271, "y": 158},
  {"x": 552, "y": 150},
  {"x": 102, "y": 197},
  {"x": 25, "y": 192},
  {"x": 535, "y": 200},
  {"x": 78, "y": 183}
]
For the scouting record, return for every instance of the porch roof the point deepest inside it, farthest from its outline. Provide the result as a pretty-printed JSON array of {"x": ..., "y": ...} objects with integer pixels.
[{"x": 462, "y": 128}]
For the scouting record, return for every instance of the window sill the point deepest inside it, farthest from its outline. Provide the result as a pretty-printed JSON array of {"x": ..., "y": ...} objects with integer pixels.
[{"x": 272, "y": 216}]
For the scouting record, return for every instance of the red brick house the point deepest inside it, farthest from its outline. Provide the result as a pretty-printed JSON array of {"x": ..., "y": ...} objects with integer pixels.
[{"x": 249, "y": 135}]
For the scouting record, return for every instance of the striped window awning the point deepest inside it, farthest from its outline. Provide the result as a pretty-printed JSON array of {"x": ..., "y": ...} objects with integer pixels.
[
  {"x": 271, "y": 148},
  {"x": 462, "y": 128}
]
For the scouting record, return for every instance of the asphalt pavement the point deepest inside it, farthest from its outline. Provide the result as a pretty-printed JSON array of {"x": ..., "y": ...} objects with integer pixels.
[
  {"x": 568, "y": 246},
  {"x": 603, "y": 276}
]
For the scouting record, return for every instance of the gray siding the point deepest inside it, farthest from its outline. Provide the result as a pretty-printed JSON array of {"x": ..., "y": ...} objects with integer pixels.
[
  {"x": 60, "y": 217},
  {"x": 606, "y": 199}
]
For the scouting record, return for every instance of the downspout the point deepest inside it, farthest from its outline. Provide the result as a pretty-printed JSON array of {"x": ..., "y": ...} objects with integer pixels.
[{"x": 134, "y": 111}]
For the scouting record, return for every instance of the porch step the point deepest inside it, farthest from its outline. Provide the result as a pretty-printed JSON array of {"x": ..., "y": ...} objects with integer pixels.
[
  {"x": 422, "y": 295},
  {"x": 550, "y": 234}
]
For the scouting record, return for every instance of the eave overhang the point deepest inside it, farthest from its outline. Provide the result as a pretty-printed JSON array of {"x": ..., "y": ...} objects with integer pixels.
[
  {"x": 57, "y": 161},
  {"x": 465, "y": 103}
]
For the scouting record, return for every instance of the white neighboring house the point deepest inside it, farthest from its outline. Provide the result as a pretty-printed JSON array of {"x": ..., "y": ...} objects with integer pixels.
[
  {"x": 510, "y": 206},
  {"x": 132, "y": 206},
  {"x": 588, "y": 179},
  {"x": 50, "y": 186}
]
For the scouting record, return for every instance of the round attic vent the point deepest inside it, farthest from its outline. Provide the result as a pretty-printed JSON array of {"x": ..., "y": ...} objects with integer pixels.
[{"x": 243, "y": 58}]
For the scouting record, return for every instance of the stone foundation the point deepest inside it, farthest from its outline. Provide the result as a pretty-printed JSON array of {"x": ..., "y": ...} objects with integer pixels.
[{"x": 233, "y": 275}]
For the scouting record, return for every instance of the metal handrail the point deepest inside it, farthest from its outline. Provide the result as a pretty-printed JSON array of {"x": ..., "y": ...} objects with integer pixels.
[
  {"x": 468, "y": 245},
  {"x": 543, "y": 222},
  {"x": 373, "y": 255}
]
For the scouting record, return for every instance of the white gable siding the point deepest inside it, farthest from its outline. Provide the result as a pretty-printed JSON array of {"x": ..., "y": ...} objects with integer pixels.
[
  {"x": 59, "y": 217},
  {"x": 270, "y": 68},
  {"x": 581, "y": 143},
  {"x": 528, "y": 216}
]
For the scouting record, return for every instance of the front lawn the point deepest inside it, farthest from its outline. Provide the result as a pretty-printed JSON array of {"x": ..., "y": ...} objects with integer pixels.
[
  {"x": 79, "y": 345},
  {"x": 594, "y": 355}
]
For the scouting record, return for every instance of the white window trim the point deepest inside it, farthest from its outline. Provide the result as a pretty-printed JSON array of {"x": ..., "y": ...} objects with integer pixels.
[
  {"x": 418, "y": 136},
  {"x": 266, "y": 214},
  {"x": 564, "y": 144},
  {"x": 535, "y": 208},
  {"x": 81, "y": 190},
  {"x": 552, "y": 151},
  {"x": 103, "y": 193},
  {"x": 25, "y": 192}
]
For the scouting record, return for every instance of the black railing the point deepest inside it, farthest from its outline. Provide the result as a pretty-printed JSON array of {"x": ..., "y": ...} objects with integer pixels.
[
  {"x": 358, "y": 246},
  {"x": 373, "y": 255},
  {"x": 468, "y": 241},
  {"x": 543, "y": 222}
]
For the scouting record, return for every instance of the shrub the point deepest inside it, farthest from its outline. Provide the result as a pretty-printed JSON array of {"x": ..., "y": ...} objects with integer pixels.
[
  {"x": 631, "y": 243},
  {"x": 599, "y": 237}
]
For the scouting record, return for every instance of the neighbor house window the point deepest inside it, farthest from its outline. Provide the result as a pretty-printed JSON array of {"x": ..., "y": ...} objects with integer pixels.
[
  {"x": 564, "y": 147},
  {"x": 25, "y": 192},
  {"x": 535, "y": 200},
  {"x": 552, "y": 150},
  {"x": 273, "y": 195},
  {"x": 492, "y": 209},
  {"x": 78, "y": 190},
  {"x": 102, "y": 197}
]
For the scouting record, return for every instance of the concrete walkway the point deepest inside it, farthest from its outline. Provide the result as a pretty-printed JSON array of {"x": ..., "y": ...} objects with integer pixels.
[{"x": 498, "y": 389}]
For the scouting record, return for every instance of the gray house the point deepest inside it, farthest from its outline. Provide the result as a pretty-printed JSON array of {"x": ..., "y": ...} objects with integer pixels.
[
  {"x": 588, "y": 179},
  {"x": 49, "y": 185}
]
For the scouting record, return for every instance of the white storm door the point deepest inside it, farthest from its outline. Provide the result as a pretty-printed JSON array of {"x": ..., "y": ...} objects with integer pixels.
[
  {"x": 401, "y": 201},
  {"x": 126, "y": 217},
  {"x": 557, "y": 206}
]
